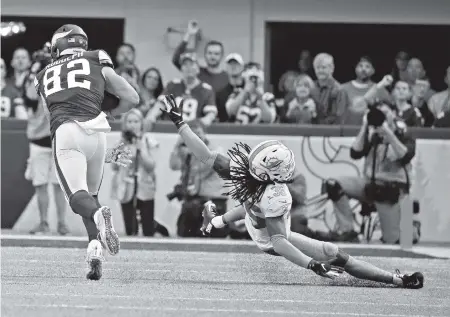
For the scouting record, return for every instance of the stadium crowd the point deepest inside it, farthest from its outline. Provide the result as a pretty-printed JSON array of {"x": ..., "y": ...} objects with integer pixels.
[
  {"x": 226, "y": 89},
  {"x": 232, "y": 89}
]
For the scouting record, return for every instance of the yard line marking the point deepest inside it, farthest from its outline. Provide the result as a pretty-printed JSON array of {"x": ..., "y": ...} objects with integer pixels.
[
  {"x": 150, "y": 308},
  {"x": 294, "y": 301}
]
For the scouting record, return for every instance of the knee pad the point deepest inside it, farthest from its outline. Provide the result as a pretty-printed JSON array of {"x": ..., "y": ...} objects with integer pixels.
[
  {"x": 333, "y": 189},
  {"x": 83, "y": 203},
  {"x": 340, "y": 258}
]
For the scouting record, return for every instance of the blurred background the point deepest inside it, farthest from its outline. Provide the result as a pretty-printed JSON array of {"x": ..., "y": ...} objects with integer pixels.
[{"x": 295, "y": 49}]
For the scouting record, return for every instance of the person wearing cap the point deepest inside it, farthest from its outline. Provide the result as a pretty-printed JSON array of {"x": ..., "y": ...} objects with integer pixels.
[
  {"x": 199, "y": 97},
  {"x": 357, "y": 92},
  {"x": 234, "y": 68},
  {"x": 212, "y": 74}
]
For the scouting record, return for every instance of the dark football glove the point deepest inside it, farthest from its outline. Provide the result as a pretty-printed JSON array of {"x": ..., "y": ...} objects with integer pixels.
[
  {"x": 325, "y": 269},
  {"x": 174, "y": 111},
  {"x": 208, "y": 213}
]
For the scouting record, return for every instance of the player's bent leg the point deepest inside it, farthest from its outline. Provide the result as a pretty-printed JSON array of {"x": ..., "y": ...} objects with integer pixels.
[{"x": 103, "y": 215}]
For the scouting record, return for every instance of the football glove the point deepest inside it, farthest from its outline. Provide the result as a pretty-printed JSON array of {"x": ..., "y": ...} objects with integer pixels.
[
  {"x": 208, "y": 213},
  {"x": 118, "y": 155},
  {"x": 173, "y": 111},
  {"x": 325, "y": 269}
]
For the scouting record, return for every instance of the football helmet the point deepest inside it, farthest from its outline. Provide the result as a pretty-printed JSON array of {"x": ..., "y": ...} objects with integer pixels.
[
  {"x": 69, "y": 36},
  {"x": 272, "y": 161}
]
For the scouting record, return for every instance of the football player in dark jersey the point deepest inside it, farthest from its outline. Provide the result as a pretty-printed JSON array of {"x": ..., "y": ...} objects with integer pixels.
[
  {"x": 73, "y": 88},
  {"x": 199, "y": 98},
  {"x": 257, "y": 180},
  {"x": 12, "y": 105},
  {"x": 250, "y": 104}
]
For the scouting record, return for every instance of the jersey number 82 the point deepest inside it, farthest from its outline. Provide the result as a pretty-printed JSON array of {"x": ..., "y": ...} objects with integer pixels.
[{"x": 54, "y": 78}]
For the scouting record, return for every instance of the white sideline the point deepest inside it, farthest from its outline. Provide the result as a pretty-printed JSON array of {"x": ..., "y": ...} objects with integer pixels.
[{"x": 185, "y": 241}]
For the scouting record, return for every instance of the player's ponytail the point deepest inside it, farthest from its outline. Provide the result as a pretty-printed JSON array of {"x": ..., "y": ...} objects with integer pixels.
[{"x": 244, "y": 188}]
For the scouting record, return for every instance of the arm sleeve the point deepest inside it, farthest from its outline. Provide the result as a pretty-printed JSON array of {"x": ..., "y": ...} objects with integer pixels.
[
  {"x": 181, "y": 48},
  {"x": 197, "y": 146}
]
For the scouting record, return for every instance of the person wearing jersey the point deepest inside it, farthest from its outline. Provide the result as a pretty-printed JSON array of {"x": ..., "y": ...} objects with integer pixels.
[
  {"x": 257, "y": 178},
  {"x": 12, "y": 105},
  {"x": 73, "y": 89},
  {"x": 199, "y": 98},
  {"x": 250, "y": 105}
]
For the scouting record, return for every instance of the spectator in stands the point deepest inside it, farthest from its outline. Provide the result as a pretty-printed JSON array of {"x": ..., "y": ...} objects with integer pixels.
[
  {"x": 135, "y": 185},
  {"x": 401, "y": 63},
  {"x": 41, "y": 169},
  {"x": 357, "y": 92},
  {"x": 419, "y": 90},
  {"x": 199, "y": 98},
  {"x": 20, "y": 63},
  {"x": 415, "y": 71},
  {"x": 439, "y": 104},
  {"x": 152, "y": 87},
  {"x": 12, "y": 105},
  {"x": 126, "y": 60},
  {"x": 131, "y": 75},
  {"x": 286, "y": 84},
  {"x": 301, "y": 109},
  {"x": 410, "y": 115},
  {"x": 305, "y": 65},
  {"x": 331, "y": 100},
  {"x": 199, "y": 183},
  {"x": 388, "y": 151},
  {"x": 234, "y": 68},
  {"x": 212, "y": 74},
  {"x": 250, "y": 105}
]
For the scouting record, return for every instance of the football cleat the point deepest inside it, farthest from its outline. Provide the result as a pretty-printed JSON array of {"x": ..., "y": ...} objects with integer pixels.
[
  {"x": 108, "y": 236},
  {"x": 94, "y": 259},
  {"x": 412, "y": 281}
]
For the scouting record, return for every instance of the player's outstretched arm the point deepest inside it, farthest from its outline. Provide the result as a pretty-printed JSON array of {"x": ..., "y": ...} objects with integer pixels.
[
  {"x": 193, "y": 142},
  {"x": 118, "y": 86}
]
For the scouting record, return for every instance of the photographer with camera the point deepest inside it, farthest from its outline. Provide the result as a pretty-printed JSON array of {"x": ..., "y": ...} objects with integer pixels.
[
  {"x": 251, "y": 105},
  {"x": 40, "y": 168},
  {"x": 199, "y": 184},
  {"x": 135, "y": 185},
  {"x": 388, "y": 149}
]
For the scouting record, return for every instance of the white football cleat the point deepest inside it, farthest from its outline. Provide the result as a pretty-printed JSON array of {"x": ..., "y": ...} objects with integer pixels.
[
  {"x": 108, "y": 236},
  {"x": 94, "y": 259}
]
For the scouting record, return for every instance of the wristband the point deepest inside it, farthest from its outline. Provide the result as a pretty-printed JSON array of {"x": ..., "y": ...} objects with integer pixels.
[{"x": 218, "y": 222}]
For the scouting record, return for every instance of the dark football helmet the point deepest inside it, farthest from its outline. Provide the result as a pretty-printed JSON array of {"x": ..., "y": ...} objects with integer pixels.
[{"x": 66, "y": 37}]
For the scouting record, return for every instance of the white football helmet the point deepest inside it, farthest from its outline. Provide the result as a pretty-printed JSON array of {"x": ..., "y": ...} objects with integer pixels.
[{"x": 272, "y": 161}]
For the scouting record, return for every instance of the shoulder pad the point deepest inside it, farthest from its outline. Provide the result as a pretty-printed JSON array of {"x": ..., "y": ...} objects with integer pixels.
[
  {"x": 276, "y": 200},
  {"x": 104, "y": 59},
  {"x": 206, "y": 86}
]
